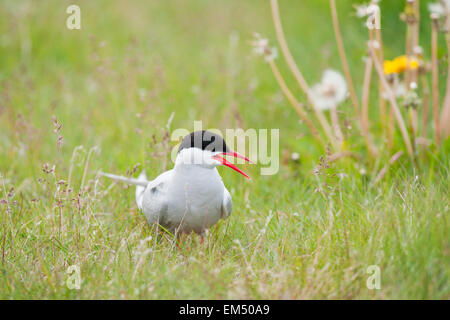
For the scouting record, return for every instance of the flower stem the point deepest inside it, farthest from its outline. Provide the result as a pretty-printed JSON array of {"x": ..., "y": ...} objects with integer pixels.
[
  {"x": 383, "y": 171},
  {"x": 435, "y": 79},
  {"x": 426, "y": 105},
  {"x": 391, "y": 128},
  {"x": 343, "y": 57},
  {"x": 444, "y": 126},
  {"x": 336, "y": 126},
  {"x": 297, "y": 106},
  {"x": 415, "y": 72},
  {"x": 412, "y": 38},
  {"x": 392, "y": 101},
  {"x": 365, "y": 108},
  {"x": 382, "y": 103},
  {"x": 297, "y": 74}
]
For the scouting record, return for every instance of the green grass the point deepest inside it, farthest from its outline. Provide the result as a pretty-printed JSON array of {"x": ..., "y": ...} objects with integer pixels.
[{"x": 325, "y": 229}]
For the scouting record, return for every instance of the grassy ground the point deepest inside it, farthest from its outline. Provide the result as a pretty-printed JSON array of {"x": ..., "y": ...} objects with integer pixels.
[{"x": 113, "y": 86}]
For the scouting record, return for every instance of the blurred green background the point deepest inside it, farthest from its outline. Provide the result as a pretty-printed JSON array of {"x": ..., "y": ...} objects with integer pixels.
[
  {"x": 115, "y": 83},
  {"x": 133, "y": 63}
]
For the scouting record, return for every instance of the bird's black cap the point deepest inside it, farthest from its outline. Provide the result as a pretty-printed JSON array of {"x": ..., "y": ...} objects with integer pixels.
[{"x": 204, "y": 140}]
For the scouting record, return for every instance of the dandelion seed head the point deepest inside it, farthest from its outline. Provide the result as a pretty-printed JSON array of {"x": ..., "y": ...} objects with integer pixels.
[
  {"x": 361, "y": 10},
  {"x": 436, "y": 10},
  {"x": 330, "y": 92},
  {"x": 418, "y": 50},
  {"x": 271, "y": 55},
  {"x": 400, "y": 90},
  {"x": 446, "y": 4},
  {"x": 372, "y": 9},
  {"x": 434, "y": 16},
  {"x": 398, "y": 87},
  {"x": 411, "y": 99},
  {"x": 375, "y": 44},
  {"x": 373, "y": 14}
]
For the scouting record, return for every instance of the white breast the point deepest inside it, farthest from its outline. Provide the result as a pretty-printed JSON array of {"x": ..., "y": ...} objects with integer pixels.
[{"x": 187, "y": 198}]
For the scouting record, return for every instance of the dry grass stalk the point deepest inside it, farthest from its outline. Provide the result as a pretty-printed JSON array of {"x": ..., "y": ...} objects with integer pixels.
[
  {"x": 415, "y": 72},
  {"x": 293, "y": 101},
  {"x": 386, "y": 118},
  {"x": 343, "y": 154},
  {"x": 412, "y": 38},
  {"x": 365, "y": 108},
  {"x": 415, "y": 39},
  {"x": 261, "y": 237},
  {"x": 392, "y": 101},
  {"x": 382, "y": 103},
  {"x": 435, "y": 77},
  {"x": 426, "y": 105},
  {"x": 298, "y": 75},
  {"x": 336, "y": 126},
  {"x": 391, "y": 128},
  {"x": 423, "y": 142},
  {"x": 408, "y": 45},
  {"x": 445, "y": 113},
  {"x": 414, "y": 121},
  {"x": 383, "y": 171},
  {"x": 343, "y": 58},
  {"x": 72, "y": 163},
  {"x": 415, "y": 35}
]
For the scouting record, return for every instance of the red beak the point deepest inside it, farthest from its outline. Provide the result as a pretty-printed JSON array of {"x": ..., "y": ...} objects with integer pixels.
[{"x": 229, "y": 164}]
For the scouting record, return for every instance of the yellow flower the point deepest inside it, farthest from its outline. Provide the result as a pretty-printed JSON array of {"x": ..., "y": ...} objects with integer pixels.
[
  {"x": 400, "y": 64},
  {"x": 389, "y": 67}
]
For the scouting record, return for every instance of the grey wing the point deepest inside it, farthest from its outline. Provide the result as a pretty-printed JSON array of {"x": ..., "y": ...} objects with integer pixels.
[
  {"x": 154, "y": 200},
  {"x": 227, "y": 204}
]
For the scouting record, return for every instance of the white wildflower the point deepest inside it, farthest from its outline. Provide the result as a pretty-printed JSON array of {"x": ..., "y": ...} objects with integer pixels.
[
  {"x": 271, "y": 55},
  {"x": 436, "y": 9},
  {"x": 446, "y": 4},
  {"x": 361, "y": 10},
  {"x": 142, "y": 93},
  {"x": 331, "y": 91},
  {"x": 374, "y": 43},
  {"x": 261, "y": 47},
  {"x": 418, "y": 51},
  {"x": 373, "y": 17},
  {"x": 398, "y": 88}
]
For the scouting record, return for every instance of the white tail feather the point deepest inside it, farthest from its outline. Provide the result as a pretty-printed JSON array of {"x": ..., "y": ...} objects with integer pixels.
[
  {"x": 141, "y": 183},
  {"x": 136, "y": 182},
  {"x": 140, "y": 189}
]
